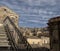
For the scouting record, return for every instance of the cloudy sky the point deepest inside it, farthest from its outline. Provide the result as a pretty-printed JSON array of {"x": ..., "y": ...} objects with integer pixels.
[{"x": 34, "y": 13}]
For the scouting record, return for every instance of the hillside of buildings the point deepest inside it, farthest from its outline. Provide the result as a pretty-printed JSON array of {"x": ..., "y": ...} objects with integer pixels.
[
  {"x": 37, "y": 37},
  {"x": 34, "y": 32}
]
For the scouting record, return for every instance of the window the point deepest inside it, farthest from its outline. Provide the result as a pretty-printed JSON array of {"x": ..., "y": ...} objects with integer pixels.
[
  {"x": 38, "y": 42},
  {"x": 4, "y": 9},
  {"x": 33, "y": 43}
]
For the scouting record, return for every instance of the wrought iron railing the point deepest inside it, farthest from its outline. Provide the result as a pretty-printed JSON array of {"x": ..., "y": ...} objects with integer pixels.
[
  {"x": 11, "y": 39},
  {"x": 21, "y": 37}
]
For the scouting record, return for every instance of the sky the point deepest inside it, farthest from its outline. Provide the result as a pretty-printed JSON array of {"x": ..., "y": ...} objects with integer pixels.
[{"x": 33, "y": 13}]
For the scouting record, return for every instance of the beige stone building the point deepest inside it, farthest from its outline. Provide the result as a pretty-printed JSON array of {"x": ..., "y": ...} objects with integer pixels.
[
  {"x": 36, "y": 42},
  {"x": 4, "y": 12}
]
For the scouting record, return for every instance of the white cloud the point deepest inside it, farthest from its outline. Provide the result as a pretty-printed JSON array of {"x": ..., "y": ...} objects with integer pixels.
[
  {"x": 41, "y": 2},
  {"x": 36, "y": 21},
  {"x": 45, "y": 12},
  {"x": 27, "y": 9}
]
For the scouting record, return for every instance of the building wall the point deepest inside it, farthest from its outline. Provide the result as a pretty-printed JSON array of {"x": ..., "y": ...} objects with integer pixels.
[
  {"x": 54, "y": 29},
  {"x": 39, "y": 42},
  {"x": 5, "y": 11}
]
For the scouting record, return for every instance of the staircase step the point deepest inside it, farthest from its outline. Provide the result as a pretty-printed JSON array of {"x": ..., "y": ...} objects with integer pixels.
[
  {"x": 5, "y": 41},
  {"x": 2, "y": 43},
  {"x": 2, "y": 28},
  {"x": 3, "y": 38},
  {"x": 3, "y": 35},
  {"x": 5, "y": 45}
]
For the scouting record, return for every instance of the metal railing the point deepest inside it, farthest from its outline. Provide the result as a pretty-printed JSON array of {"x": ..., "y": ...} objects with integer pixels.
[
  {"x": 11, "y": 39},
  {"x": 21, "y": 37}
]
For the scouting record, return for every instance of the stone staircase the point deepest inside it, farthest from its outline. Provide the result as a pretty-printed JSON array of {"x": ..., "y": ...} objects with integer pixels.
[{"x": 4, "y": 43}]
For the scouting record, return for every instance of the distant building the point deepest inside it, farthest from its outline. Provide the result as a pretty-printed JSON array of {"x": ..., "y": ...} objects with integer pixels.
[
  {"x": 4, "y": 12},
  {"x": 40, "y": 39},
  {"x": 34, "y": 31},
  {"x": 36, "y": 42}
]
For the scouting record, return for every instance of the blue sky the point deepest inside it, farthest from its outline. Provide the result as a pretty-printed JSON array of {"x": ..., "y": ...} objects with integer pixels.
[{"x": 34, "y": 13}]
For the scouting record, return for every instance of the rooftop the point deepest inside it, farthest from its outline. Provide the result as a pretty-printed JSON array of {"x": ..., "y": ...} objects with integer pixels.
[{"x": 55, "y": 19}]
